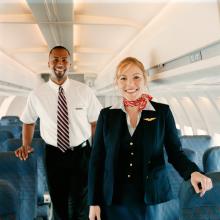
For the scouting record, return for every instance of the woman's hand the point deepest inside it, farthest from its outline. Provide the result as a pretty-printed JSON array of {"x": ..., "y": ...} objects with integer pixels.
[
  {"x": 205, "y": 183},
  {"x": 94, "y": 212}
]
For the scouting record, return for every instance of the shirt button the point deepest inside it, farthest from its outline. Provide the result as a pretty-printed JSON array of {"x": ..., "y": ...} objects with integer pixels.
[
  {"x": 147, "y": 177},
  {"x": 131, "y": 143},
  {"x": 131, "y": 164},
  {"x": 129, "y": 176},
  {"x": 132, "y": 153},
  {"x": 149, "y": 162}
]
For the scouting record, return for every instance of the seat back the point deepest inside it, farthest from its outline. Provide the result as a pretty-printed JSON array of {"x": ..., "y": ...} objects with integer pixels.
[
  {"x": 11, "y": 144},
  {"x": 37, "y": 134},
  {"x": 43, "y": 195},
  {"x": 174, "y": 177},
  {"x": 179, "y": 132},
  {"x": 8, "y": 200},
  {"x": 14, "y": 129},
  {"x": 22, "y": 175},
  {"x": 39, "y": 148},
  {"x": 211, "y": 159},
  {"x": 194, "y": 207},
  {"x": 10, "y": 120},
  {"x": 170, "y": 210},
  {"x": 198, "y": 143},
  {"x": 5, "y": 135}
]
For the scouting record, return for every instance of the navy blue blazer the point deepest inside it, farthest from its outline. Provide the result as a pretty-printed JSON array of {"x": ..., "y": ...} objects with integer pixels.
[{"x": 159, "y": 131}]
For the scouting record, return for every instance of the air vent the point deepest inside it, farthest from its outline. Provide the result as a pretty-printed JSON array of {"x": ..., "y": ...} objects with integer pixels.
[{"x": 204, "y": 53}]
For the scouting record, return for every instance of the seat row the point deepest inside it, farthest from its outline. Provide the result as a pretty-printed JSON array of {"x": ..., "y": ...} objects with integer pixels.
[
  {"x": 197, "y": 149},
  {"x": 12, "y": 120},
  {"x": 14, "y": 131},
  {"x": 17, "y": 198},
  {"x": 172, "y": 210},
  {"x": 197, "y": 143},
  {"x": 28, "y": 178},
  {"x": 193, "y": 207}
]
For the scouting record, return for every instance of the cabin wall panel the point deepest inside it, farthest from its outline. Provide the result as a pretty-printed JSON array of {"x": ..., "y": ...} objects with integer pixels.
[
  {"x": 179, "y": 29},
  {"x": 17, "y": 106},
  {"x": 15, "y": 73},
  {"x": 182, "y": 28}
]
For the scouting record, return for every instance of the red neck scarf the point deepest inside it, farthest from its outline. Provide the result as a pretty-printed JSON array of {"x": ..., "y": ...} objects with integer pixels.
[{"x": 140, "y": 102}]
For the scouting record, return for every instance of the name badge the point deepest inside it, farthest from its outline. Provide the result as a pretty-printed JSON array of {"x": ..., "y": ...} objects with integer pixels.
[{"x": 78, "y": 108}]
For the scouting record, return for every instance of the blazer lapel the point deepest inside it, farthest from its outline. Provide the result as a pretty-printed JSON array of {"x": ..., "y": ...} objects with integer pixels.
[
  {"x": 115, "y": 121},
  {"x": 149, "y": 123}
]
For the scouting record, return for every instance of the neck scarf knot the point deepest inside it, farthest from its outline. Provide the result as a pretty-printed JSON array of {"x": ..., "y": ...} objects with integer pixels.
[{"x": 140, "y": 102}]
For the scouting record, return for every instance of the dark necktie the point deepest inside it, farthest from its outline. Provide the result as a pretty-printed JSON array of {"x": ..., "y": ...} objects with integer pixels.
[{"x": 62, "y": 122}]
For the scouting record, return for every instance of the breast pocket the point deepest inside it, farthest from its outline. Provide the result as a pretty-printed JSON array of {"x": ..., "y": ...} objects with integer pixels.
[{"x": 79, "y": 112}]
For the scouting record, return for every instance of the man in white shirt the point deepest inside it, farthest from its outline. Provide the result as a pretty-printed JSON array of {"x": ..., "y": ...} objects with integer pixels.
[{"x": 68, "y": 111}]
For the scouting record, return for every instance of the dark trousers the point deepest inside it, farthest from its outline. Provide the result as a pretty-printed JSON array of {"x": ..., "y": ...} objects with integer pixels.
[{"x": 67, "y": 175}]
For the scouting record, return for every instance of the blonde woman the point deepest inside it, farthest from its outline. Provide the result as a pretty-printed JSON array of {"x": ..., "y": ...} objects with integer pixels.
[{"x": 127, "y": 167}]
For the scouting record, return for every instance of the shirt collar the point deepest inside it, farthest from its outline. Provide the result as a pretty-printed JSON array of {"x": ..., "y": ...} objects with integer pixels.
[
  {"x": 120, "y": 105},
  {"x": 54, "y": 86}
]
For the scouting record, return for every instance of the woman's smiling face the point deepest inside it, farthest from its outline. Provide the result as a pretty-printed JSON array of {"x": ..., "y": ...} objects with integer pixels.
[{"x": 131, "y": 82}]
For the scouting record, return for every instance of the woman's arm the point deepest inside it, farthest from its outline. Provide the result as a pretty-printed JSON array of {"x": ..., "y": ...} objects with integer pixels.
[
  {"x": 186, "y": 168},
  {"x": 173, "y": 146},
  {"x": 96, "y": 164}
]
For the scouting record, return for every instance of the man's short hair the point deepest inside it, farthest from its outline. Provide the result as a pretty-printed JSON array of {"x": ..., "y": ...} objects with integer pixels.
[{"x": 59, "y": 47}]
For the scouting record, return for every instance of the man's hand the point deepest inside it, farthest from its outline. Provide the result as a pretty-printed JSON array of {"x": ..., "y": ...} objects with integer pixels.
[
  {"x": 23, "y": 152},
  {"x": 200, "y": 183}
]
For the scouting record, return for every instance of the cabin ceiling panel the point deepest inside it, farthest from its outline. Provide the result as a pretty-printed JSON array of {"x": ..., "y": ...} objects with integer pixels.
[
  {"x": 20, "y": 36},
  {"x": 38, "y": 61},
  {"x": 139, "y": 12},
  {"x": 103, "y": 29},
  {"x": 55, "y": 21},
  {"x": 88, "y": 63},
  {"x": 179, "y": 29},
  {"x": 99, "y": 36},
  {"x": 29, "y": 28},
  {"x": 100, "y": 51},
  {"x": 14, "y": 7}
]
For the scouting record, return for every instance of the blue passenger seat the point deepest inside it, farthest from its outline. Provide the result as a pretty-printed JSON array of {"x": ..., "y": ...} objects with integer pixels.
[
  {"x": 5, "y": 135},
  {"x": 211, "y": 159},
  {"x": 8, "y": 201},
  {"x": 197, "y": 143},
  {"x": 14, "y": 129},
  {"x": 170, "y": 210},
  {"x": 10, "y": 120},
  {"x": 22, "y": 175},
  {"x": 43, "y": 198},
  {"x": 194, "y": 207}
]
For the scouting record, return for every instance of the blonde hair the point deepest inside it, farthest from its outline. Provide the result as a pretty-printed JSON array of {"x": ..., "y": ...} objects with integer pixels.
[{"x": 125, "y": 63}]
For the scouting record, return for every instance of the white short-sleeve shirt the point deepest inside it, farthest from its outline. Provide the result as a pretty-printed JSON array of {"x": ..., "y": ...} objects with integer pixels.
[{"x": 83, "y": 108}]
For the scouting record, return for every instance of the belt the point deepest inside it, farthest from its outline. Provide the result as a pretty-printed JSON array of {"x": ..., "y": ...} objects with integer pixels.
[
  {"x": 82, "y": 145},
  {"x": 71, "y": 148}
]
